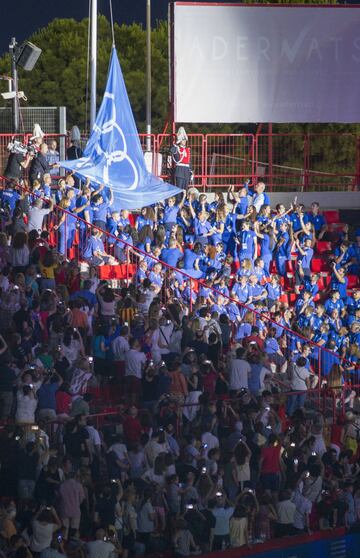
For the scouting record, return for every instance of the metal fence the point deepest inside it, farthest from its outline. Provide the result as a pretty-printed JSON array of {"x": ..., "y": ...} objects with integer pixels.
[{"x": 285, "y": 162}]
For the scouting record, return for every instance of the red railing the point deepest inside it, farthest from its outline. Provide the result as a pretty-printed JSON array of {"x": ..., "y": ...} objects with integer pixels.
[
  {"x": 321, "y": 361},
  {"x": 286, "y": 162}
]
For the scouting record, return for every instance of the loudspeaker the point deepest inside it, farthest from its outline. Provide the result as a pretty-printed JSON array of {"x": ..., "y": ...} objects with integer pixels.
[{"x": 27, "y": 56}]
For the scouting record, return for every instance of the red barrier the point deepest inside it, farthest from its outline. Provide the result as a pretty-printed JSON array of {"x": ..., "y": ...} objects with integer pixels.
[{"x": 286, "y": 162}]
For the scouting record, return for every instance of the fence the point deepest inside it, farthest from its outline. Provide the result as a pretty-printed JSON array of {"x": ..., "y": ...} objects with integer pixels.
[
  {"x": 322, "y": 359},
  {"x": 286, "y": 162}
]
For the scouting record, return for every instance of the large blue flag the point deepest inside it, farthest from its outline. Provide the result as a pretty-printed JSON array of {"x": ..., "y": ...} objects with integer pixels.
[{"x": 113, "y": 154}]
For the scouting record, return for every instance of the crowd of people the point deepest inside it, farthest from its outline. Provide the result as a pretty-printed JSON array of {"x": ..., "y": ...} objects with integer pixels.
[{"x": 215, "y": 442}]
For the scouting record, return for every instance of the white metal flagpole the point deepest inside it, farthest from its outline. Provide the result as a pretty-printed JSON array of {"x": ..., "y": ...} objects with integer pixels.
[{"x": 93, "y": 62}]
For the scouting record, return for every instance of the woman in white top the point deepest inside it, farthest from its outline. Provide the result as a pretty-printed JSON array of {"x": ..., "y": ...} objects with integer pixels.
[
  {"x": 242, "y": 454},
  {"x": 19, "y": 252},
  {"x": 107, "y": 301},
  {"x": 44, "y": 524},
  {"x": 72, "y": 347},
  {"x": 26, "y": 404}
]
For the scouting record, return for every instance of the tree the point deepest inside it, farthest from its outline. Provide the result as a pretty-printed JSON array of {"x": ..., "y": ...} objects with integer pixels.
[{"x": 60, "y": 75}]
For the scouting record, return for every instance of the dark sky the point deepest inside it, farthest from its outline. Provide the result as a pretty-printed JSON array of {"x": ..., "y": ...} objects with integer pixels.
[{"x": 20, "y": 18}]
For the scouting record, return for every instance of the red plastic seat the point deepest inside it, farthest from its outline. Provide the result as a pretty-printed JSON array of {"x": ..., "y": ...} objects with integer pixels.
[
  {"x": 332, "y": 216},
  {"x": 353, "y": 281},
  {"x": 322, "y": 247},
  {"x": 319, "y": 265}
]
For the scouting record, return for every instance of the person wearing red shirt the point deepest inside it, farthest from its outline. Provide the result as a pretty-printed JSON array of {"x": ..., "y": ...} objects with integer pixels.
[
  {"x": 270, "y": 466},
  {"x": 254, "y": 338},
  {"x": 63, "y": 400},
  {"x": 132, "y": 427}
]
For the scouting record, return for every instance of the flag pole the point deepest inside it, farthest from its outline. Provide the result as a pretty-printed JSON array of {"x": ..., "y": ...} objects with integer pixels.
[
  {"x": 148, "y": 75},
  {"x": 93, "y": 62}
]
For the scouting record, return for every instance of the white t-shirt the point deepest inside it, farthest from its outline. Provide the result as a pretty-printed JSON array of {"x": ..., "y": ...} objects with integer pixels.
[
  {"x": 120, "y": 450},
  {"x": 99, "y": 549},
  {"x": 36, "y": 217},
  {"x": 25, "y": 408},
  {"x": 120, "y": 347},
  {"x": 134, "y": 360},
  {"x": 303, "y": 508},
  {"x": 42, "y": 535},
  {"x": 286, "y": 512},
  {"x": 239, "y": 374}
]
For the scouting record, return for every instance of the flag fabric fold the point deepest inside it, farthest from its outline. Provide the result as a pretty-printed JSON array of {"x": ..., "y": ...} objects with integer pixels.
[{"x": 113, "y": 154}]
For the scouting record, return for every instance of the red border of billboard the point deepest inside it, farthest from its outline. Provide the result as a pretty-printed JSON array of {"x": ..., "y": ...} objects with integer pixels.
[{"x": 171, "y": 23}]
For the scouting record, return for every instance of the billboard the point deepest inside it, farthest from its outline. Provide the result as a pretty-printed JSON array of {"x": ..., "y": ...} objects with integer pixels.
[{"x": 238, "y": 63}]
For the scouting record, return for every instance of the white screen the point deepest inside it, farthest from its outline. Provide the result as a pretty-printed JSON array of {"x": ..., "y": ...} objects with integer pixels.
[{"x": 266, "y": 64}]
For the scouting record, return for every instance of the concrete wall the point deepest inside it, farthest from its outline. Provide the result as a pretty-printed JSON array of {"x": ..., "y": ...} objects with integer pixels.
[{"x": 327, "y": 200}]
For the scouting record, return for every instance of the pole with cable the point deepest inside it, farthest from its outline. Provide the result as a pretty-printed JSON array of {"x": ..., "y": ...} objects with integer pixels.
[
  {"x": 148, "y": 75},
  {"x": 93, "y": 62},
  {"x": 14, "y": 75}
]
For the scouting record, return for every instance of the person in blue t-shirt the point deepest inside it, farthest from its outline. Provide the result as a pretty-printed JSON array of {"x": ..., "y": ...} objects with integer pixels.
[
  {"x": 334, "y": 302},
  {"x": 311, "y": 284},
  {"x": 317, "y": 220},
  {"x": 266, "y": 234},
  {"x": 273, "y": 290},
  {"x": 202, "y": 228},
  {"x": 99, "y": 207},
  {"x": 354, "y": 257},
  {"x": 94, "y": 250},
  {"x": 191, "y": 261},
  {"x": 146, "y": 217},
  {"x": 247, "y": 243},
  {"x": 305, "y": 256},
  {"x": 171, "y": 255},
  {"x": 171, "y": 211},
  {"x": 8, "y": 198},
  {"x": 282, "y": 249},
  {"x": 339, "y": 281},
  {"x": 66, "y": 227}
]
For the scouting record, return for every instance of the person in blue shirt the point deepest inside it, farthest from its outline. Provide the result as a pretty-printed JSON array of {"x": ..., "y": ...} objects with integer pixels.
[
  {"x": 317, "y": 220},
  {"x": 191, "y": 261},
  {"x": 171, "y": 255},
  {"x": 99, "y": 208},
  {"x": 171, "y": 211},
  {"x": 339, "y": 281},
  {"x": 219, "y": 225},
  {"x": 334, "y": 302},
  {"x": 247, "y": 243},
  {"x": 141, "y": 273},
  {"x": 260, "y": 271},
  {"x": 66, "y": 227},
  {"x": 46, "y": 185},
  {"x": 239, "y": 200},
  {"x": 298, "y": 218},
  {"x": 281, "y": 215},
  {"x": 256, "y": 292},
  {"x": 319, "y": 317},
  {"x": 186, "y": 222},
  {"x": 354, "y": 257},
  {"x": 353, "y": 302},
  {"x": 203, "y": 229},
  {"x": 341, "y": 253},
  {"x": 240, "y": 289},
  {"x": 145, "y": 239},
  {"x": 86, "y": 294},
  {"x": 266, "y": 234},
  {"x": 156, "y": 277},
  {"x": 94, "y": 251},
  {"x": 146, "y": 217},
  {"x": 303, "y": 263},
  {"x": 112, "y": 224},
  {"x": 303, "y": 302},
  {"x": 8, "y": 198},
  {"x": 282, "y": 249},
  {"x": 273, "y": 290},
  {"x": 311, "y": 284}
]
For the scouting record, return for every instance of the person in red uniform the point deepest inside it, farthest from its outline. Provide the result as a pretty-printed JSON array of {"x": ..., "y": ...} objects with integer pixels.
[{"x": 181, "y": 157}]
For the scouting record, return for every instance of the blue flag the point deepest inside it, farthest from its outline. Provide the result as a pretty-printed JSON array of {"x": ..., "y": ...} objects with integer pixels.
[{"x": 113, "y": 154}]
